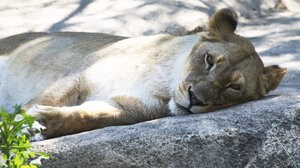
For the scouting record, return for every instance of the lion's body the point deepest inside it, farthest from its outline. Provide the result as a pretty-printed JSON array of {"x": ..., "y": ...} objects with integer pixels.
[
  {"x": 83, "y": 81},
  {"x": 109, "y": 68},
  {"x": 46, "y": 58}
]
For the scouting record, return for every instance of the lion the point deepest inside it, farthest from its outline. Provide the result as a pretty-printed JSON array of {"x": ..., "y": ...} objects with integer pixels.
[{"x": 74, "y": 82}]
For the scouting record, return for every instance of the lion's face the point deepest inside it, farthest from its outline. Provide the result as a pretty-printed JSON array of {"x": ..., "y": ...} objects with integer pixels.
[{"x": 223, "y": 69}]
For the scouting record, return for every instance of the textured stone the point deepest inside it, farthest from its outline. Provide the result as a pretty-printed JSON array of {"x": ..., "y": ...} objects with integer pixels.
[{"x": 257, "y": 133}]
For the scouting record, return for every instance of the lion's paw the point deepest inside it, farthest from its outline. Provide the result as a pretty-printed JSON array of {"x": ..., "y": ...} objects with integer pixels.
[
  {"x": 36, "y": 134},
  {"x": 44, "y": 116},
  {"x": 37, "y": 137}
]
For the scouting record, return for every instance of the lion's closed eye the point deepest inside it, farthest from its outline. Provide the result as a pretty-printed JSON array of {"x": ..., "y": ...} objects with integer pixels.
[{"x": 235, "y": 87}]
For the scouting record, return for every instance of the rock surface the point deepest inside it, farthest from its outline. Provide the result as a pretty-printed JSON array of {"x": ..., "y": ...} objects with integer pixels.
[
  {"x": 256, "y": 133},
  {"x": 264, "y": 133}
]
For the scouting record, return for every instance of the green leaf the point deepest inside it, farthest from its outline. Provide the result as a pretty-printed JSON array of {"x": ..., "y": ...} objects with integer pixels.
[
  {"x": 37, "y": 161},
  {"x": 11, "y": 138},
  {"x": 3, "y": 113},
  {"x": 17, "y": 111},
  {"x": 5, "y": 122},
  {"x": 26, "y": 166},
  {"x": 15, "y": 139},
  {"x": 31, "y": 154},
  {"x": 17, "y": 125},
  {"x": 24, "y": 130},
  {"x": 18, "y": 160},
  {"x": 15, "y": 150},
  {"x": 4, "y": 156},
  {"x": 44, "y": 154},
  {"x": 3, "y": 138},
  {"x": 29, "y": 119},
  {"x": 21, "y": 147}
]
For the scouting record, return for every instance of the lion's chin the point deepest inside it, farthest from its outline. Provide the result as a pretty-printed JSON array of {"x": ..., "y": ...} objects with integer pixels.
[
  {"x": 201, "y": 109},
  {"x": 176, "y": 109}
]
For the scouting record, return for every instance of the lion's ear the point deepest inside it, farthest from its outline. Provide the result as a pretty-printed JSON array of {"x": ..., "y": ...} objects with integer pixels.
[
  {"x": 223, "y": 22},
  {"x": 272, "y": 77}
]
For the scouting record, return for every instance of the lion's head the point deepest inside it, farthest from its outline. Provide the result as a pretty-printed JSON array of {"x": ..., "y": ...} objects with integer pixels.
[{"x": 223, "y": 69}]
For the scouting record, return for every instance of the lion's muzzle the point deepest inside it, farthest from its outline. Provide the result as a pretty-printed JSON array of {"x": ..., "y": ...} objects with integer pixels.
[{"x": 194, "y": 101}]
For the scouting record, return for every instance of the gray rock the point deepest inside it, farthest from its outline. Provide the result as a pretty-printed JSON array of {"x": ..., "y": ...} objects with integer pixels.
[{"x": 258, "y": 133}]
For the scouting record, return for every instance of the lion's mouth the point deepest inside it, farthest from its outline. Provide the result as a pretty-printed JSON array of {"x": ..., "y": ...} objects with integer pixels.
[
  {"x": 194, "y": 101},
  {"x": 184, "y": 109}
]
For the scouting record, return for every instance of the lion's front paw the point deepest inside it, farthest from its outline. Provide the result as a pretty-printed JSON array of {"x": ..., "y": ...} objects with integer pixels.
[
  {"x": 36, "y": 137},
  {"x": 47, "y": 119}
]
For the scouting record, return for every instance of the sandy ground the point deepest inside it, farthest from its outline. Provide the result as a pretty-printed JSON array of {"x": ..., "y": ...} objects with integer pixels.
[{"x": 122, "y": 17}]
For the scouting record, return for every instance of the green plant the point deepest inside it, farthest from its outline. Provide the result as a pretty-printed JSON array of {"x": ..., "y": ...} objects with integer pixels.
[{"x": 15, "y": 136}]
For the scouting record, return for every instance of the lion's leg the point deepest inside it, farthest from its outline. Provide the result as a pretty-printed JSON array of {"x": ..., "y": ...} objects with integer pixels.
[
  {"x": 68, "y": 91},
  {"x": 90, "y": 115}
]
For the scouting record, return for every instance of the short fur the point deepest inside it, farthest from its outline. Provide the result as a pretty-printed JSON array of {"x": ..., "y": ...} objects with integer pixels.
[{"x": 74, "y": 82}]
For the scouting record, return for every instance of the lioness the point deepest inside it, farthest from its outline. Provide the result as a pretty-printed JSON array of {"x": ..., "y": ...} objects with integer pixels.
[{"x": 75, "y": 82}]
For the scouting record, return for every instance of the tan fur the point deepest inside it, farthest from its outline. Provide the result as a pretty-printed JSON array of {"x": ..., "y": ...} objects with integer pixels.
[{"x": 74, "y": 82}]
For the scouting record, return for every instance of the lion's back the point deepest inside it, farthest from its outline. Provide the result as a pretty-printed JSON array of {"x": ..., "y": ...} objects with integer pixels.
[
  {"x": 35, "y": 60},
  {"x": 104, "y": 62}
]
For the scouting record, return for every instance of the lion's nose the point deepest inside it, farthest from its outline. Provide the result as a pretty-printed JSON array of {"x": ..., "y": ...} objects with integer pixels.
[{"x": 194, "y": 101}]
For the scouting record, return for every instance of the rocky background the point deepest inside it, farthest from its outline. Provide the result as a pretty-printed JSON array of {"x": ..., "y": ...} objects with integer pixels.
[{"x": 264, "y": 133}]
